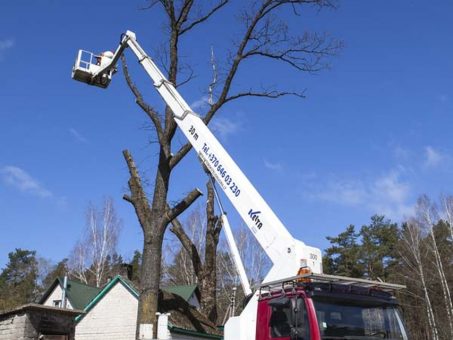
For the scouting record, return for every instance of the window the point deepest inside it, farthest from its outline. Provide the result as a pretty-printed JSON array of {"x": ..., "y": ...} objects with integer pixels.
[
  {"x": 288, "y": 317},
  {"x": 280, "y": 322},
  {"x": 349, "y": 318},
  {"x": 56, "y": 303}
]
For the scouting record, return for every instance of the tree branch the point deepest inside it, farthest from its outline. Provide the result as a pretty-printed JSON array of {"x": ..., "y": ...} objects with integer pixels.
[
  {"x": 179, "y": 208},
  {"x": 138, "y": 197},
  {"x": 179, "y": 155},
  {"x": 184, "y": 13},
  {"x": 188, "y": 245},
  {"x": 266, "y": 94},
  {"x": 185, "y": 81},
  {"x": 272, "y": 34},
  {"x": 150, "y": 5},
  {"x": 239, "y": 56},
  {"x": 152, "y": 114},
  {"x": 204, "y": 17},
  {"x": 128, "y": 198},
  {"x": 304, "y": 52},
  {"x": 169, "y": 8}
]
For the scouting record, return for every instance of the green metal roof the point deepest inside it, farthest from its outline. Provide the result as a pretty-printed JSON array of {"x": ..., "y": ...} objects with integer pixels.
[
  {"x": 183, "y": 291},
  {"x": 77, "y": 293}
]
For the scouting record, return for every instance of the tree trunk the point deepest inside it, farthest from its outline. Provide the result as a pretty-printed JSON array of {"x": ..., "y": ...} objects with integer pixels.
[
  {"x": 152, "y": 249},
  {"x": 429, "y": 308},
  {"x": 149, "y": 290},
  {"x": 443, "y": 281},
  {"x": 411, "y": 239},
  {"x": 429, "y": 214},
  {"x": 208, "y": 282}
]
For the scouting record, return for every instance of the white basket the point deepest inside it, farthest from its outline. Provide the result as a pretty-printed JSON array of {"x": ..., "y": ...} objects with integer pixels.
[{"x": 86, "y": 69}]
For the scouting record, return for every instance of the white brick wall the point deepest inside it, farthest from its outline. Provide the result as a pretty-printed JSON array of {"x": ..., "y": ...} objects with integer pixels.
[
  {"x": 113, "y": 317},
  {"x": 17, "y": 327},
  {"x": 12, "y": 328}
]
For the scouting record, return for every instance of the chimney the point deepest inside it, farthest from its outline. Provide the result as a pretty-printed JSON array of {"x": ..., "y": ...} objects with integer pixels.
[
  {"x": 126, "y": 271},
  {"x": 162, "y": 326},
  {"x": 63, "y": 293}
]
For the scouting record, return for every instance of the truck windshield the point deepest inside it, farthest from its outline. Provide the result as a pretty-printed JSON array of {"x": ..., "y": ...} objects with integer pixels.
[{"x": 346, "y": 319}]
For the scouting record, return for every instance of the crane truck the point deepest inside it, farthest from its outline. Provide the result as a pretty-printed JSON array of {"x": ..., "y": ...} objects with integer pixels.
[{"x": 296, "y": 300}]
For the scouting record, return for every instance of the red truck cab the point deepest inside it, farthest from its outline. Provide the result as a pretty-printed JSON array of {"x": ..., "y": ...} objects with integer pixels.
[{"x": 326, "y": 310}]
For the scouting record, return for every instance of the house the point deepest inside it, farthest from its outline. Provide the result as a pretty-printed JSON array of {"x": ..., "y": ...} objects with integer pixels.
[
  {"x": 78, "y": 295},
  {"x": 111, "y": 311}
]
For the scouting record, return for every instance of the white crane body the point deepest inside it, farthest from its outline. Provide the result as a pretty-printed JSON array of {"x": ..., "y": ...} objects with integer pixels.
[{"x": 287, "y": 254}]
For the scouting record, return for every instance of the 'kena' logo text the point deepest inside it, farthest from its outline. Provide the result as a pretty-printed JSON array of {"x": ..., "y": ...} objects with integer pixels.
[{"x": 254, "y": 215}]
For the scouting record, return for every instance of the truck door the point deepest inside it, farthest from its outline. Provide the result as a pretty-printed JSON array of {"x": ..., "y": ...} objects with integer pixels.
[{"x": 286, "y": 319}]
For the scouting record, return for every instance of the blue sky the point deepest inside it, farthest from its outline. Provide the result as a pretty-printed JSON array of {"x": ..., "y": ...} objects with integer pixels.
[{"x": 372, "y": 135}]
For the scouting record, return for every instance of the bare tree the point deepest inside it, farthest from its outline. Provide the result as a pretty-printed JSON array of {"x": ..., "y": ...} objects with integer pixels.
[
  {"x": 91, "y": 254},
  {"x": 264, "y": 35},
  {"x": 78, "y": 262},
  {"x": 228, "y": 283},
  {"x": 256, "y": 264},
  {"x": 429, "y": 216},
  {"x": 447, "y": 205},
  {"x": 412, "y": 256},
  {"x": 255, "y": 260}
]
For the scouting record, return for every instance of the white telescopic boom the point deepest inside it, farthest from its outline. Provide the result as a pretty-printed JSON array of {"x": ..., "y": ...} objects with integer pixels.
[{"x": 270, "y": 232}]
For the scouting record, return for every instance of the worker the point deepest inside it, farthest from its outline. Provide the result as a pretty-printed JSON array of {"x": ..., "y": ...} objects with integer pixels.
[{"x": 104, "y": 59}]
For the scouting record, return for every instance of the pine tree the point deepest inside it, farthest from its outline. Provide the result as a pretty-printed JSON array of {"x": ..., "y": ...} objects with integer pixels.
[
  {"x": 18, "y": 281},
  {"x": 343, "y": 257}
]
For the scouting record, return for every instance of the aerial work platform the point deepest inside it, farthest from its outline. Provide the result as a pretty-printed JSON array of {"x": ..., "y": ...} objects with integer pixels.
[{"x": 87, "y": 66}]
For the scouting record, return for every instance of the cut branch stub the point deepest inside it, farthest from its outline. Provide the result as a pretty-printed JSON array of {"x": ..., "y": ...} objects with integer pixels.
[{"x": 182, "y": 205}]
